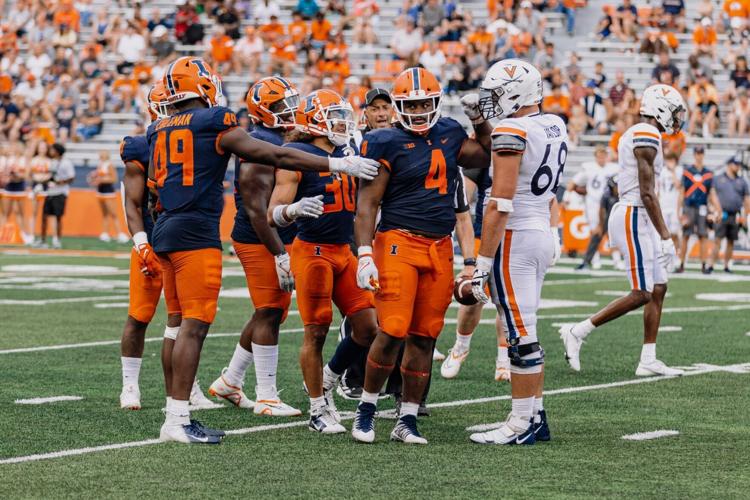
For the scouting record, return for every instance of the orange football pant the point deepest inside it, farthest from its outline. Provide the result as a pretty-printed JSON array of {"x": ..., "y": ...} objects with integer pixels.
[
  {"x": 145, "y": 291},
  {"x": 192, "y": 280},
  {"x": 260, "y": 274}
]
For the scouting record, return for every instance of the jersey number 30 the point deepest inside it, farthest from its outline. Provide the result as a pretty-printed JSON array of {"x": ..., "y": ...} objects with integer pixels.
[
  {"x": 544, "y": 178},
  {"x": 174, "y": 148}
]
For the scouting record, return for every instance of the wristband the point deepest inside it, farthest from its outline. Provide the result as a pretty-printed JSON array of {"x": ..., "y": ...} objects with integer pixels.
[
  {"x": 139, "y": 239},
  {"x": 278, "y": 216},
  {"x": 364, "y": 250},
  {"x": 470, "y": 262}
]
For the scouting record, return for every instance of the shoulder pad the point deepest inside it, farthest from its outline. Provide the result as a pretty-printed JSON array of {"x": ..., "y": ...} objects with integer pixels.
[{"x": 509, "y": 136}]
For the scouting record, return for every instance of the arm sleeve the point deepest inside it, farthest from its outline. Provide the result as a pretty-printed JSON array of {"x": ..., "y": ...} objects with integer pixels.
[
  {"x": 460, "y": 202},
  {"x": 509, "y": 137}
]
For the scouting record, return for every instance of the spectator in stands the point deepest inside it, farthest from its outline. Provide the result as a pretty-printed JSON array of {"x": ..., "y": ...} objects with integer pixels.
[
  {"x": 732, "y": 194},
  {"x": 158, "y": 19},
  {"x": 573, "y": 69},
  {"x": 220, "y": 50},
  {"x": 697, "y": 183},
  {"x": 263, "y": 11},
  {"x": 406, "y": 40},
  {"x": 67, "y": 15},
  {"x": 476, "y": 63},
  {"x": 90, "y": 123},
  {"x": 363, "y": 32},
  {"x": 57, "y": 192},
  {"x": 576, "y": 87},
  {"x": 9, "y": 115},
  {"x": 320, "y": 31},
  {"x": 577, "y": 123},
  {"x": 593, "y": 105},
  {"x": 614, "y": 141},
  {"x": 546, "y": 61},
  {"x": 503, "y": 48},
  {"x": 599, "y": 77},
  {"x": 739, "y": 116},
  {"x": 665, "y": 65},
  {"x": 618, "y": 89},
  {"x": 738, "y": 79},
  {"x": 735, "y": 14},
  {"x": 38, "y": 61},
  {"x": 30, "y": 90},
  {"x": 705, "y": 115},
  {"x": 481, "y": 39},
  {"x": 705, "y": 8},
  {"x": 433, "y": 59},
  {"x": 624, "y": 21},
  {"x": 557, "y": 103},
  {"x": 249, "y": 51},
  {"x": 65, "y": 116},
  {"x": 161, "y": 46},
  {"x": 187, "y": 27},
  {"x": 532, "y": 22},
  {"x": 606, "y": 25},
  {"x": 431, "y": 16},
  {"x": 674, "y": 144},
  {"x": 64, "y": 37},
  {"x": 307, "y": 8},
  {"x": 131, "y": 45},
  {"x": 704, "y": 37},
  {"x": 568, "y": 7},
  {"x": 674, "y": 12},
  {"x": 299, "y": 31},
  {"x": 282, "y": 54}
]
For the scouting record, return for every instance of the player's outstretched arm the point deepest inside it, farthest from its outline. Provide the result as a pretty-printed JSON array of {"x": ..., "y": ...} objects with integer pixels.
[
  {"x": 252, "y": 150},
  {"x": 645, "y": 157},
  {"x": 135, "y": 190},
  {"x": 256, "y": 184}
]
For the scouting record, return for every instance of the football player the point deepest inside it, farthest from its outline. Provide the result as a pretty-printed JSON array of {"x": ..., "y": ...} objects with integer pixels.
[
  {"x": 638, "y": 230},
  {"x": 189, "y": 153},
  {"x": 263, "y": 252},
  {"x": 323, "y": 264},
  {"x": 410, "y": 262},
  {"x": 519, "y": 233},
  {"x": 145, "y": 278}
]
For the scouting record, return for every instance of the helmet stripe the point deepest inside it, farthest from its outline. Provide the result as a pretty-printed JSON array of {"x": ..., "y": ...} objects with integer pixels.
[
  {"x": 415, "y": 77},
  {"x": 285, "y": 83},
  {"x": 170, "y": 83}
]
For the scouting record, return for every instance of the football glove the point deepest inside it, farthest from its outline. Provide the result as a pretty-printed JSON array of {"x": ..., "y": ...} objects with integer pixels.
[
  {"x": 367, "y": 273},
  {"x": 356, "y": 166},
  {"x": 558, "y": 245},
  {"x": 470, "y": 104},
  {"x": 150, "y": 265},
  {"x": 284, "y": 271},
  {"x": 667, "y": 254},
  {"x": 481, "y": 277},
  {"x": 311, "y": 207}
]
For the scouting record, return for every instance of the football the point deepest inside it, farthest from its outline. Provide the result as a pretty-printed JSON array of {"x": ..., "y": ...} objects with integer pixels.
[{"x": 462, "y": 291}]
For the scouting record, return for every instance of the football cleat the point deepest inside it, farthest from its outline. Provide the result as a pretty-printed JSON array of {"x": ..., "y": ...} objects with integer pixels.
[
  {"x": 453, "y": 362},
  {"x": 330, "y": 383},
  {"x": 406, "y": 431},
  {"x": 513, "y": 431},
  {"x": 348, "y": 392},
  {"x": 198, "y": 401},
  {"x": 221, "y": 389},
  {"x": 105, "y": 238},
  {"x": 437, "y": 355},
  {"x": 363, "y": 429},
  {"x": 188, "y": 434},
  {"x": 540, "y": 427},
  {"x": 656, "y": 367},
  {"x": 325, "y": 422},
  {"x": 572, "y": 345},
  {"x": 502, "y": 370},
  {"x": 207, "y": 430},
  {"x": 275, "y": 408},
  {"x": 130, "y": 397}
]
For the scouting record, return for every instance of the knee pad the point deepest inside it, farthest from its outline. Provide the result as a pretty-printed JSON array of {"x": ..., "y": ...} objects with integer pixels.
[
  {"x": 170, "y": 332},
  {"x": 526, "y": 359}
]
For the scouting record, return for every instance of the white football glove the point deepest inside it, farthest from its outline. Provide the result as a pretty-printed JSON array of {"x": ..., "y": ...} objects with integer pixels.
[
  {"x": 367, "y": 273},
  {"x": 284, "y": 271},
  {"x": 481, "y": 277},
  {"x": 470, "y": 103},
  {"x": 558, "y": 245},
  {"x": 311, "y": 207},
  {"x": 356, "y": 166},
  {"x": 667, "y": 254}
]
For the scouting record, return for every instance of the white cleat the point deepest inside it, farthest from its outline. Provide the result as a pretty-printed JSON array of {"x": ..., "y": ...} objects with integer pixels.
[
  {"x": 513, "y": 431},
  {"x": 221, "y": 389},
  {"x": 452, "y": 364},
  {"x": 406, "y": 431},
  {"x": 105, "y": 237},
  {"x": 275, "y": 408},
  {"x": 657, "y": 367},
  {"x": 572, "y": 345},
  {"x": 437, "y": 355},
  {"x": 502, "y": 370},
  {"x": 187, "y": 434},
  {"x": 325, "y": 422},
  {"x": 198, "y": 401},
  {"x": 130, "y": 397}
]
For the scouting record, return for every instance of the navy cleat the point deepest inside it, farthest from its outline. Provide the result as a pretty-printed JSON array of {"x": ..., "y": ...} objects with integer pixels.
[
  {"x": 406, "y": 431},
  {"x": 363, "y": 429},
  {"x": 541, "y": 429},
  {"x": 207, "y": 430},
  {"x": 187, "y": 433}
]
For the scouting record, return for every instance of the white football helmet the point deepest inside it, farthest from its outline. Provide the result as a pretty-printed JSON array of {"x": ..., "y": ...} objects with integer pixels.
[
  {"x": 508, "y": 86},
  {"x": 664, "y": 104}
]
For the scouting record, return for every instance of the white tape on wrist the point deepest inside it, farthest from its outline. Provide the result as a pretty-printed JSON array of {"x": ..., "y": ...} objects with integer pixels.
[
  {"x": 484, "y": 263},
  {"x": 139, "y": 239},
  {"x": 503, "y": 204},
  {"x": 278, "y": 216},
  {"x": 364, "y": 250}
]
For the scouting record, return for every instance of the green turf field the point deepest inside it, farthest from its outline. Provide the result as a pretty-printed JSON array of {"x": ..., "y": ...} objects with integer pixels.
[{"x": 271, "y": 457}]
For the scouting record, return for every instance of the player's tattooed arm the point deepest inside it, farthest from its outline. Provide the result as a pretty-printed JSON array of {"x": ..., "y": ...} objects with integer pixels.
[
  {"x": 135, "y": 190},
  {"x": 645, "y": 157},
  {"x": 256, "y": 185},
  {"x": 253, "y": 150},
  {"x": 369, "y": 195}
]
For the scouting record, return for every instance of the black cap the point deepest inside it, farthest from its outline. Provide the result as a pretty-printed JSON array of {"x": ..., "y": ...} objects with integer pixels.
[
  {"x": 373, "y": 94},
  {"x": 699, "y": 149},
  {"x": 59, "y": 148}
]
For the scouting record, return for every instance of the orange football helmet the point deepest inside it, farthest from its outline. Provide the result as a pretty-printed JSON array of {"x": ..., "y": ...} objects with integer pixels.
[
  {"x": 273, "y": 101},
  {"x": 417, "y": 84},
  {"x": 157, "y": 101},
  {"x": 191, "y": 78},
  {"x": 322, "y": 113}
]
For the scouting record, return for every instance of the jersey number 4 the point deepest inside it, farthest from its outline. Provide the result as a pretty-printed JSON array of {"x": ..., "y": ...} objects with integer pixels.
[
  {"x": 174, "y": 148},
  {"x": 437, "y": 177},
  {"x": 543, "y": 177}
]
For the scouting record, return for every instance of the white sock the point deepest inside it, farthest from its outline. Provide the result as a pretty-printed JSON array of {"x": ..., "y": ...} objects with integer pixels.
[
  {"x": 648, "y": 353},
  {"x": 522, "y": 407},
  {"x": 538, "y": 404},
  {"x": 582, "y": 329},
  {"x": 241, "y": 359},
  {"x": 409, "y": 409},
  {"x": 369, "y": 397},
  {"x": 463, "y": 341},
  {"x": 266, "y": 358},
  {"x": 131, "y": 369},
  {"x": 329, "y": 377},
  {"x": 317, "y": 404},
  {"x": 178, "y": 412}
]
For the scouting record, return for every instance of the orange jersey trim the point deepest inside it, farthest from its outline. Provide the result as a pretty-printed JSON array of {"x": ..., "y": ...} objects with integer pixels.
[
  {"x": 646, "y": 134},
  {"x": 218, "y": 139},
  {"x": 509, "y": 130}
]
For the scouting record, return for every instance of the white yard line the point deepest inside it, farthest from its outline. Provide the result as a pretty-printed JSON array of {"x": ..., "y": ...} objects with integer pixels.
[
  {"x": 703, "y": 369},
  {"x": 44, "y": 302},
  {"x": 645, "y": 436},
  {"x": 52, "y": 399}
]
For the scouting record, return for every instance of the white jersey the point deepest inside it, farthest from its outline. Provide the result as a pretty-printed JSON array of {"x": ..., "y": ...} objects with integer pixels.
[
  {"x": 668, "y": 191},
  {"x": 542, "y": 138},
  {"x": 639, "y": 135},
  {"x": 594, "y": 177}
]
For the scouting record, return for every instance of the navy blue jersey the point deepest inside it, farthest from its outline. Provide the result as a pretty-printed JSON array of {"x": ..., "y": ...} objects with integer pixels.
[
  {"x": 481, "y": 177},
  {"x": 189, "y": 168},
  {"x": 339, "y": 191},
  {"x": 424, "y": 173},
  {"x": 243, "y": 231},
  {"x": 135, "y": 150}
]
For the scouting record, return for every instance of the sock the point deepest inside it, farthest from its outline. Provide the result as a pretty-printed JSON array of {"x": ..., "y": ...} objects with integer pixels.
[
  {"x": 409, "y": 409},
  {"x": 317, "y": 405},
  {"x": 346, "y": 352},
  {"x": 582, "y": 329},
  {"x": 178, "y": 412},
  {"x": 241, "y": 359},
  {"x": 131, "y": 368},
  {"x": 648, "y": 353},
  {"x": 266, "y": 358},
  {"x": 329, "y": 377},
  {"x": 463, "y": 341},
  {"x": 369, "y": 397},
  {"x": 522, "y": 407},
  {"x": 538, "y": 404}
]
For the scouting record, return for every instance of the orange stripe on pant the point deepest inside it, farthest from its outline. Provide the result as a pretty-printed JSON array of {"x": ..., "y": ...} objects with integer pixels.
[
  {"x": 192, "y": 280},
  {"x": 512, "y": 303},
  {"x": 631, "y": 248}
]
